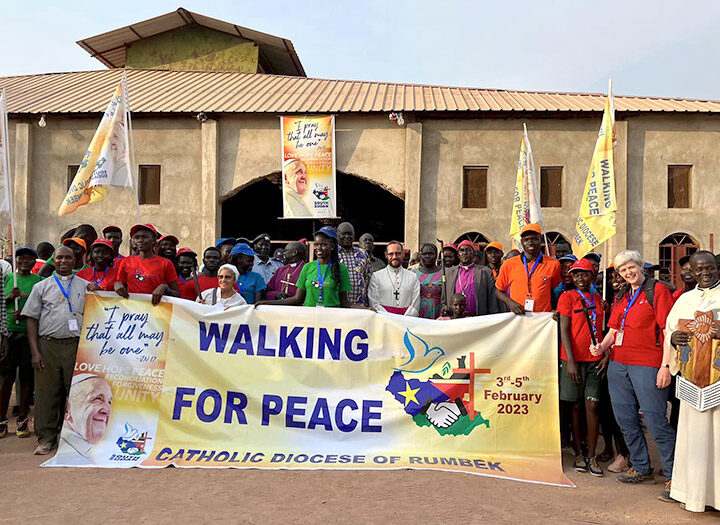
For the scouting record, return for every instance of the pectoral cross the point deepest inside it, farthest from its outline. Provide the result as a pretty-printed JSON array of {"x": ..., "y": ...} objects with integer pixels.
[
  {"x": 396, "y": 293},
  {"x": 287, "y": 284},
  {"x": 701, "y": 328}
]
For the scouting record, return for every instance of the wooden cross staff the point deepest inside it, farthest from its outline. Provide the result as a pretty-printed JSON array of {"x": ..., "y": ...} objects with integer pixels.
[
  {"x": 586, "y": 310},
  {"x": 701, "y": 328}
]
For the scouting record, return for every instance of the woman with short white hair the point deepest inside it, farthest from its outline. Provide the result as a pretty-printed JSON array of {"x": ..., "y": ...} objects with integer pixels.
[
  {"x": 225, "y": 294},
  {"x": 639, "y": 373}
]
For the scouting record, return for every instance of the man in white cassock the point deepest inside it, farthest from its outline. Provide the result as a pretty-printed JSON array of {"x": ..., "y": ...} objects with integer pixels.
[
  {"x": 693, "y": 330},
  {"x": 395, "y": 289}
]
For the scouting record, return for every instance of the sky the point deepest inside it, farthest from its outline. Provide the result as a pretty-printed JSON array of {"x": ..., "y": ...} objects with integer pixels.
[{"x": 651, "y": 48}]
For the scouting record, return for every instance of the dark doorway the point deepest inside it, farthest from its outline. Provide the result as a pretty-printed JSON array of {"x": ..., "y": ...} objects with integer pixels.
[{"x": 256, "y": 209}]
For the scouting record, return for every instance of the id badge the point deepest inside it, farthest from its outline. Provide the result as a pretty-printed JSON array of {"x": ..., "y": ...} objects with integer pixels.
[
  {"x": 72, "y": 325},
  {"x": 619, "y": 338},
  {"x": 529, "y": 304},
  {"x": 319, "y": 305}
]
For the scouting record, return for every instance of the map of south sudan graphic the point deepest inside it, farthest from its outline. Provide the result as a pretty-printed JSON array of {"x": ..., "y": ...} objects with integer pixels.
[{"x": 440, "y": 402}]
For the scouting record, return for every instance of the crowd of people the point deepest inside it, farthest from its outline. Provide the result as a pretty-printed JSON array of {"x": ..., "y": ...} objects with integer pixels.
[{"x": 618, "y": 349}]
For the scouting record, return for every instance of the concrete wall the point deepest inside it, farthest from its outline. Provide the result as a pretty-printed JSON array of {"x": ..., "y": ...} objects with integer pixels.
[
  {"x": 174, "y": 143},
  {"x": 194, "y": 48},
  {"x": 204, "y": 164},
  {"x": 448, "y": 145},
  {"x": 654, "y": 142}
]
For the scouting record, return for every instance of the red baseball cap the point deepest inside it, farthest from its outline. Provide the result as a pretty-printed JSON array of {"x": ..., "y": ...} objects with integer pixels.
[
  {"x": 450, "y": 246},
  {"x": 106, "y": 243},
  {"x": 186, "y": 251},
  {"x": 138, "y": 227},
  {"x": 582, "y": 265},
  {"x": 495, "y": 245},
  {"x": 107, "y": 229},
  {"x": 466, "y": 243},
  {"x": 169, "y": 238},
  {"x": 534, "y": 228}
]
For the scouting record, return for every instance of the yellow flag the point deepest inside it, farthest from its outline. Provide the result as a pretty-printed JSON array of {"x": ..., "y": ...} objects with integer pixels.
[
  {"x": 107, "y": 160},
  {"x": 526, "y": 198},
  {"x": 596, "y": 221}
]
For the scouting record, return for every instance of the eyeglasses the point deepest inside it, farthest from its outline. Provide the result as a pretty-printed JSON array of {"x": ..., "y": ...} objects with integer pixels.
[{"x": 228, "y": 277}]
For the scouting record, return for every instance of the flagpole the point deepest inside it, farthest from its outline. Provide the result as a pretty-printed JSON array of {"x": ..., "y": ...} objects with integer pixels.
[
  {"x": 8, "y": 185},
  {"x": 130, "y": 145}
]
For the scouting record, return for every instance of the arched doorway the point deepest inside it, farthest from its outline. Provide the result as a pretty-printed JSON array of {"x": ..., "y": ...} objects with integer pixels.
[
  {"x": 671, "y": 249},
  {"x": 553, "y": 239},
  {"x": 476, "y": 238},
  {"x": 257, "y": 208}
]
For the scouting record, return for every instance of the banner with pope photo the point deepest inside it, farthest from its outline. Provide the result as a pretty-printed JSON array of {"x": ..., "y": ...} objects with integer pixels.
[
  {"x": 307, "y": 388},
  {"x": 308, "y": 167}
]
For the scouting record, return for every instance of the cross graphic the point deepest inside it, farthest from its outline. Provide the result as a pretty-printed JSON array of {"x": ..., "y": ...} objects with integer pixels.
[
  {"x": 472, "y": 371},
  {"x": 701, "y": 328},
  {"x": 396, "y": 293}
]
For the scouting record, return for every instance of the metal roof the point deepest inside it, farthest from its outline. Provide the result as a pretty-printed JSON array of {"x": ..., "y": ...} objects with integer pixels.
[
  {"x": 156, "y": 91},
  {"x": 278, "y": 54}
]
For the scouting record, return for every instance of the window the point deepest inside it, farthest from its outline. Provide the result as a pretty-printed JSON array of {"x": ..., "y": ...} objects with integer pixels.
[
  {"x": 551, "y": 186},
  {"x": 150, "y": 184},
  {"x": 679, "y": 186},
  {"x": 71, "y": 172},
  {"x": 474, "y": 193}
]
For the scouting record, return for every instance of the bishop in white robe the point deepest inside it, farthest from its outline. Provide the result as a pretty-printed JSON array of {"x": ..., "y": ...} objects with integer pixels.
[{"x": 395, "y": 290}]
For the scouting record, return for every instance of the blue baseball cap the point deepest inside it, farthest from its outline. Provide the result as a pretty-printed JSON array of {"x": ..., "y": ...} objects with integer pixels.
[
  {"x": 650, "y": 266},
  {"x": 25, "y": 250},
  {"x": 568, "y": 257},
  {"x": 242, "y": 249},
  {"x": 225, "y": 240},
  {"x": 593, "y": 256},
  {"x": 327, "y": 231}
]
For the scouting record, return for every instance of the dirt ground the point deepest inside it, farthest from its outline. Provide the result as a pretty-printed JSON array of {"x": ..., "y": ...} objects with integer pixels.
[{"x": 62, "y": 495}]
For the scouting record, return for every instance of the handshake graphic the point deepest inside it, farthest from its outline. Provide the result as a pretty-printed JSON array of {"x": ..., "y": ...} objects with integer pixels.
[{"x": 445, "y": 413}]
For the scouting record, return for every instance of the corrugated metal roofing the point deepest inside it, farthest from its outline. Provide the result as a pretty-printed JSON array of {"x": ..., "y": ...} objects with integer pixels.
[
  {"x": 109, "y": 48},
  {"x": 155, "y": 91}
]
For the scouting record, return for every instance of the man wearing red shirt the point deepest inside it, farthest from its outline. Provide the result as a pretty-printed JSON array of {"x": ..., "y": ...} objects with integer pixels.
[
  {"x": 115, "y": 236},
  {"x": 186, "y": 266},
  {"x": 102, "y": 274},
  {"x": 581, "y": 371},
  {"x": 531, "y": 276},
  {"x": 211, "y": 262},
  {"x": 145, "y": 273}
]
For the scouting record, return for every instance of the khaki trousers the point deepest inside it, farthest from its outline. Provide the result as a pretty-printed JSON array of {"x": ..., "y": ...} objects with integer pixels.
[{"x": 52, "y": 385}]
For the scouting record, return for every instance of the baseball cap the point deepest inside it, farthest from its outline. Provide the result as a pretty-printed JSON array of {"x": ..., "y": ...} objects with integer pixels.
[
  {"x": 262, "y": 237},
  {"x": 593, "y": 256},
  {"x": 242, "y": 249},
  {"x": 568, "y": 257},
  {"x": 139, "y": 227},
  {"x": 108, "y": 229},
  {"x": 171, "y": 238},
  {"x": 185, "y": 251},
  {"x": 327, "y": 231},
  {"x": 76, "y": 240},
  {"x": 225, "y": 240},
  {"x": 466, "y": 243},
  {"x": 495, "y": 245},
  {"x": 106, "y": 243},
  {"x": 25, "y": 250},
  {"x": 531, "y": 228},
  {"x": 450, "y": 246},
  {"x": 582, "y": 265}
]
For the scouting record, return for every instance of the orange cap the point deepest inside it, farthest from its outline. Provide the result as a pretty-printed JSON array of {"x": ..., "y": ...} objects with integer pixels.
[
  {"x": 76, "y": 240},
  {"x": 495, "y": 245},
  {"x": 535, "y": 228}
]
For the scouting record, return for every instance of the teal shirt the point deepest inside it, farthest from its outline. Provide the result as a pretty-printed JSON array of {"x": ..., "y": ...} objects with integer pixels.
[
  {"x": 25, "y": 283},
  {"x": 309, "y": 282}
]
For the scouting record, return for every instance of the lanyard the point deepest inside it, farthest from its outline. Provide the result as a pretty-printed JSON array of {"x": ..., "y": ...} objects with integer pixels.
[
  {"x": 96, "y": 281},
  {"x": 321, "y": 279},
  {"x": 66, "y": 293},
  {"x": 591, "y": 302},
  {"x": 183, "y": 280},
  {"x": 531, "y": 272},
  {"x": 631, "y": 302}
]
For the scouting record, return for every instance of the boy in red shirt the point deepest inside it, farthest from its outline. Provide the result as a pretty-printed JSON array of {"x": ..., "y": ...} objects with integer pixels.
[
  {"x": 102, "y": 274},
  {"x": 186, "y": 266},
  {"x": 146, "y": 273},
  {"x": 580, "y": 371},
  {"x": 211, "y": 261}
]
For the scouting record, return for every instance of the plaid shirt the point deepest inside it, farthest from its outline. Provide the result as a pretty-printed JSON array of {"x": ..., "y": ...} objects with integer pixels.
[{"x": 358, "y": 265}]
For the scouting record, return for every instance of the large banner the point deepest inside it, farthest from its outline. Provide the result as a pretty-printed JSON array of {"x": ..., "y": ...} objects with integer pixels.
[
  {"x": 308, "y": 169},
  {"x": 312, "y": 388}
]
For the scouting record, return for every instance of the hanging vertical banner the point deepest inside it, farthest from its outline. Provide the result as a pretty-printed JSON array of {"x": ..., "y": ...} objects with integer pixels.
[
  {"x": 308, "y": 167},
  {"x": 526, "y": 197}
]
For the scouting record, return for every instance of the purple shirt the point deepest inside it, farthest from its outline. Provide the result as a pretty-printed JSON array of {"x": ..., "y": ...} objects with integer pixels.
[{"x": 465, "y": 285}]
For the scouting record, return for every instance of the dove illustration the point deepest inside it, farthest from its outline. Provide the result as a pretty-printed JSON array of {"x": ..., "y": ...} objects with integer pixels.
[{"x": 419, "y": 361}]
